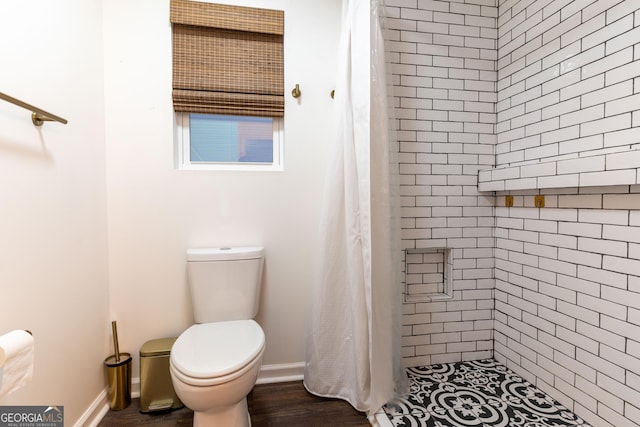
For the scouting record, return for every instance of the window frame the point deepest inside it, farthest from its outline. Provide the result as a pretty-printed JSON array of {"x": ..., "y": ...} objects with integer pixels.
[{"x": 184, "y": 150}]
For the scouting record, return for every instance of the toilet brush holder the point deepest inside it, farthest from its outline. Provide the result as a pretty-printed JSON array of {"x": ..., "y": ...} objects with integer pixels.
[
  {"x": 119, "y": 380},
  {"x": 118, "y": 375}
]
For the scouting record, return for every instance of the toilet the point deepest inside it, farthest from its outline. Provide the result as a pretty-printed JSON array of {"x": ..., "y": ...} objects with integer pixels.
[{"x": 214, "y": 364}]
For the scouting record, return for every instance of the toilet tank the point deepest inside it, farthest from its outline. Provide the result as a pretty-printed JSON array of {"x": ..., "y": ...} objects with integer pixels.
[{"x": 225, "y": 282}]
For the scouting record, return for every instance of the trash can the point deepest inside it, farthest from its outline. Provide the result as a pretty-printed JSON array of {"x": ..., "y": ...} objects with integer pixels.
[
  {"x": 119, "y": 381},
  {"x": 156, "y": 388}
]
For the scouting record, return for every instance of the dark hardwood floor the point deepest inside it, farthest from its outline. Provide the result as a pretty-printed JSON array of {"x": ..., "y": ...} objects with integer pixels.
[{"x": 283, "y": 404}]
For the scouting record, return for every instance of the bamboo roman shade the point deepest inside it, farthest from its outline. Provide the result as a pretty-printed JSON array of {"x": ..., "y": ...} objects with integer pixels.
[{"x": 227, "y": 59}]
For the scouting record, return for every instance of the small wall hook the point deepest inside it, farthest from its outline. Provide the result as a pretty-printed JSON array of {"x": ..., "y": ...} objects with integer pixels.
[
  {"x": 296, "y": 91},
  {"x": 333, "y": 92}
]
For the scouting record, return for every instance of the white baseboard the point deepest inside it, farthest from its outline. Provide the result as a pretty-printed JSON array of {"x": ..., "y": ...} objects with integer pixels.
[
  {"x": 100, "y": 406},
  {"x": 96, "y": 411},
  {"x": 284, "y": 372},
  {"x": 135, "y": 388}
]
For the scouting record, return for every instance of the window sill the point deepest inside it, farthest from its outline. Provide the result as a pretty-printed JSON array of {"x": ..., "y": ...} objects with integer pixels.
[
  {"x": 236, "y": 167},
  {"x": 620, "y": 167}
]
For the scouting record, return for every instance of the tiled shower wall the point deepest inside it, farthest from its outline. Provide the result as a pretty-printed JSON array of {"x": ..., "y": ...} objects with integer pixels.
[
  {"x": 566, "y": 80},
  {"x": 568, "y": 275},
  {"x": 568, "y": 298},
  {"x": 444, "y": 69}
]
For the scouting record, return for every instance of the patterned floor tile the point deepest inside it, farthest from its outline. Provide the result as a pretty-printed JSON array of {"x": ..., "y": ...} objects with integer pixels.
[{"x": 478, "y": 393}]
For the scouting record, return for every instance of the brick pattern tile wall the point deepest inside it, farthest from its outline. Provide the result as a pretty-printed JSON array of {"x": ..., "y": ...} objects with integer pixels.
[
  {"x": 443, "y": 56},
  {"x": 568, "y": 298},
  {"x": 567, "y": 312},
  {"x": 567, "y": 79}
]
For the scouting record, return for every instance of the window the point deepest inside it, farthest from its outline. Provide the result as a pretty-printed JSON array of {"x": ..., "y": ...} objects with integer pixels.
[
  {"x": 228, "y": 85},
  {"x": 210, "y": 141}
]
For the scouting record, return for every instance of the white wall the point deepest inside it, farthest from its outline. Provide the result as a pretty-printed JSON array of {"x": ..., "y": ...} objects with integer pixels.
[
  {"x": 567, "y": 276},
  {"x": 567, "y": 298},
  {"x": 444, "y": 68},
  {"x": 53, "y": 250},
  {"x": 156, "y": 212},
  {"x": 566, "y": 81},
  {"x": 567, "y": 95}
]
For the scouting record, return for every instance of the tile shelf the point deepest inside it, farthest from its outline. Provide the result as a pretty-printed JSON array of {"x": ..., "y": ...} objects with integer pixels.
[{"x": 619, "y": 167}]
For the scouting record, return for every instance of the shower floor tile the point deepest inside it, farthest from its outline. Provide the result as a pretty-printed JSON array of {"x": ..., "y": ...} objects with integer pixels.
[{"x": 479, "y": 393}]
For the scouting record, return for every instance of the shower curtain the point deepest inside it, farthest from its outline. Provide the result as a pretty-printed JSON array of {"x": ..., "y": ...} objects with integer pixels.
[{"x": 353, "y": 350}]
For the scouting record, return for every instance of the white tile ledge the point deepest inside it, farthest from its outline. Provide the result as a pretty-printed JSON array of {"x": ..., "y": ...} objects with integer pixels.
[{"x": 611, "y": 168}]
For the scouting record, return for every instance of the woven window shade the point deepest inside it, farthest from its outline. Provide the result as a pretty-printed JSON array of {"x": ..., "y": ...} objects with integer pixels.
[{"x": 227, "y": 59}]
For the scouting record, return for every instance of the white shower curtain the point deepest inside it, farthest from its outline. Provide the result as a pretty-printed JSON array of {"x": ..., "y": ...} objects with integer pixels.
[{"x": 353, "y": 350}]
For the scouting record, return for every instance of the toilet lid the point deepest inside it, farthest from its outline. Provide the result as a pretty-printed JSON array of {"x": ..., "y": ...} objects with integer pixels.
[{"x": 215, "y": 349}]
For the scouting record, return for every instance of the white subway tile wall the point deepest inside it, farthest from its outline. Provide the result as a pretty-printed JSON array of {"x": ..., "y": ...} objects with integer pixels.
[
  {"x": 567, "y": 312},
  {"x": 568, "y": 89},
  {"x": 567, "y": 296},
  {"x": 555, "y": 292},
  {"x": 443, "y": 57}
]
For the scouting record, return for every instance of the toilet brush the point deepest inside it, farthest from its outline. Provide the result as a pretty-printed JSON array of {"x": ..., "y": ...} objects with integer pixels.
[
  {"x": 118, "y": 375},
  {"x": 114, "y": 330}
]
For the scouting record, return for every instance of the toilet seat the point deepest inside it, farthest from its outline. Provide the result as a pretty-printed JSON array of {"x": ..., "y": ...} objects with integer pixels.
[{"x": 210, "y": 353}]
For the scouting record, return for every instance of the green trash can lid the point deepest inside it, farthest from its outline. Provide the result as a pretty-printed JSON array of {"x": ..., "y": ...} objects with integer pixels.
[{"x": 159, "y": 347}]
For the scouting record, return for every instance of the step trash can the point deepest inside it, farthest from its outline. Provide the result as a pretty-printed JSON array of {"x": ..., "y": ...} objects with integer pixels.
[
  {"x": 156, "y": 388},
  {"x": 119, "y": 381}
]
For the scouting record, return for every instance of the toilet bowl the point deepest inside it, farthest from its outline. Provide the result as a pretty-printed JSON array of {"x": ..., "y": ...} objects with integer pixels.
[{"x": 214, "y": 366}]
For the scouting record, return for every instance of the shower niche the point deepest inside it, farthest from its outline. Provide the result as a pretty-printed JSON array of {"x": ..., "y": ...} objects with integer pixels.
[{"x": 428, "y": 274}]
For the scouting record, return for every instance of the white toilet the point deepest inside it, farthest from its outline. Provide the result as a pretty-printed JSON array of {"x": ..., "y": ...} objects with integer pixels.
[{"x": 215, "y": 363}]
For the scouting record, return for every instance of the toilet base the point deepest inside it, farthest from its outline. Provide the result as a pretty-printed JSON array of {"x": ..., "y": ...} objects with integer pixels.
[{"x": 231, "y": 416}]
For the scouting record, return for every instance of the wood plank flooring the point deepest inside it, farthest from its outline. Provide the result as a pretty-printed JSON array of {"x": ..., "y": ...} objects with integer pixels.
[{"x": 270, "y": 405}]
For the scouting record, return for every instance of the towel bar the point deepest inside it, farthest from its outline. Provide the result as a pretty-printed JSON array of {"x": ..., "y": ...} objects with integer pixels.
[{"x": 38, "y": 115}]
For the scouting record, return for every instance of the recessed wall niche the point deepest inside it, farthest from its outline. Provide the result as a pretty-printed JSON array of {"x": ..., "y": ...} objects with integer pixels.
[{"x": 428, "y": 274}]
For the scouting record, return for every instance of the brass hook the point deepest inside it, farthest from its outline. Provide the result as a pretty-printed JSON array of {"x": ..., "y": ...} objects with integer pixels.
[{"x": 296, "y": 91}]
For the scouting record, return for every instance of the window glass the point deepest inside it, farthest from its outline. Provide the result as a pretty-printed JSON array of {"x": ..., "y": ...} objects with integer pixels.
[
  {"x": 218, "y": 142},
  {"x": 230, "y": 139}
]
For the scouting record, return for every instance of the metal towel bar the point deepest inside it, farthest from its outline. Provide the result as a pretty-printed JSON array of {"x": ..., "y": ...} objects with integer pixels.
[{"x": 38, "y": 115}]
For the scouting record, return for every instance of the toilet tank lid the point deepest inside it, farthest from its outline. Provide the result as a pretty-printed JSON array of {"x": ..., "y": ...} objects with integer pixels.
[{"x": 224, "y": 253}]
